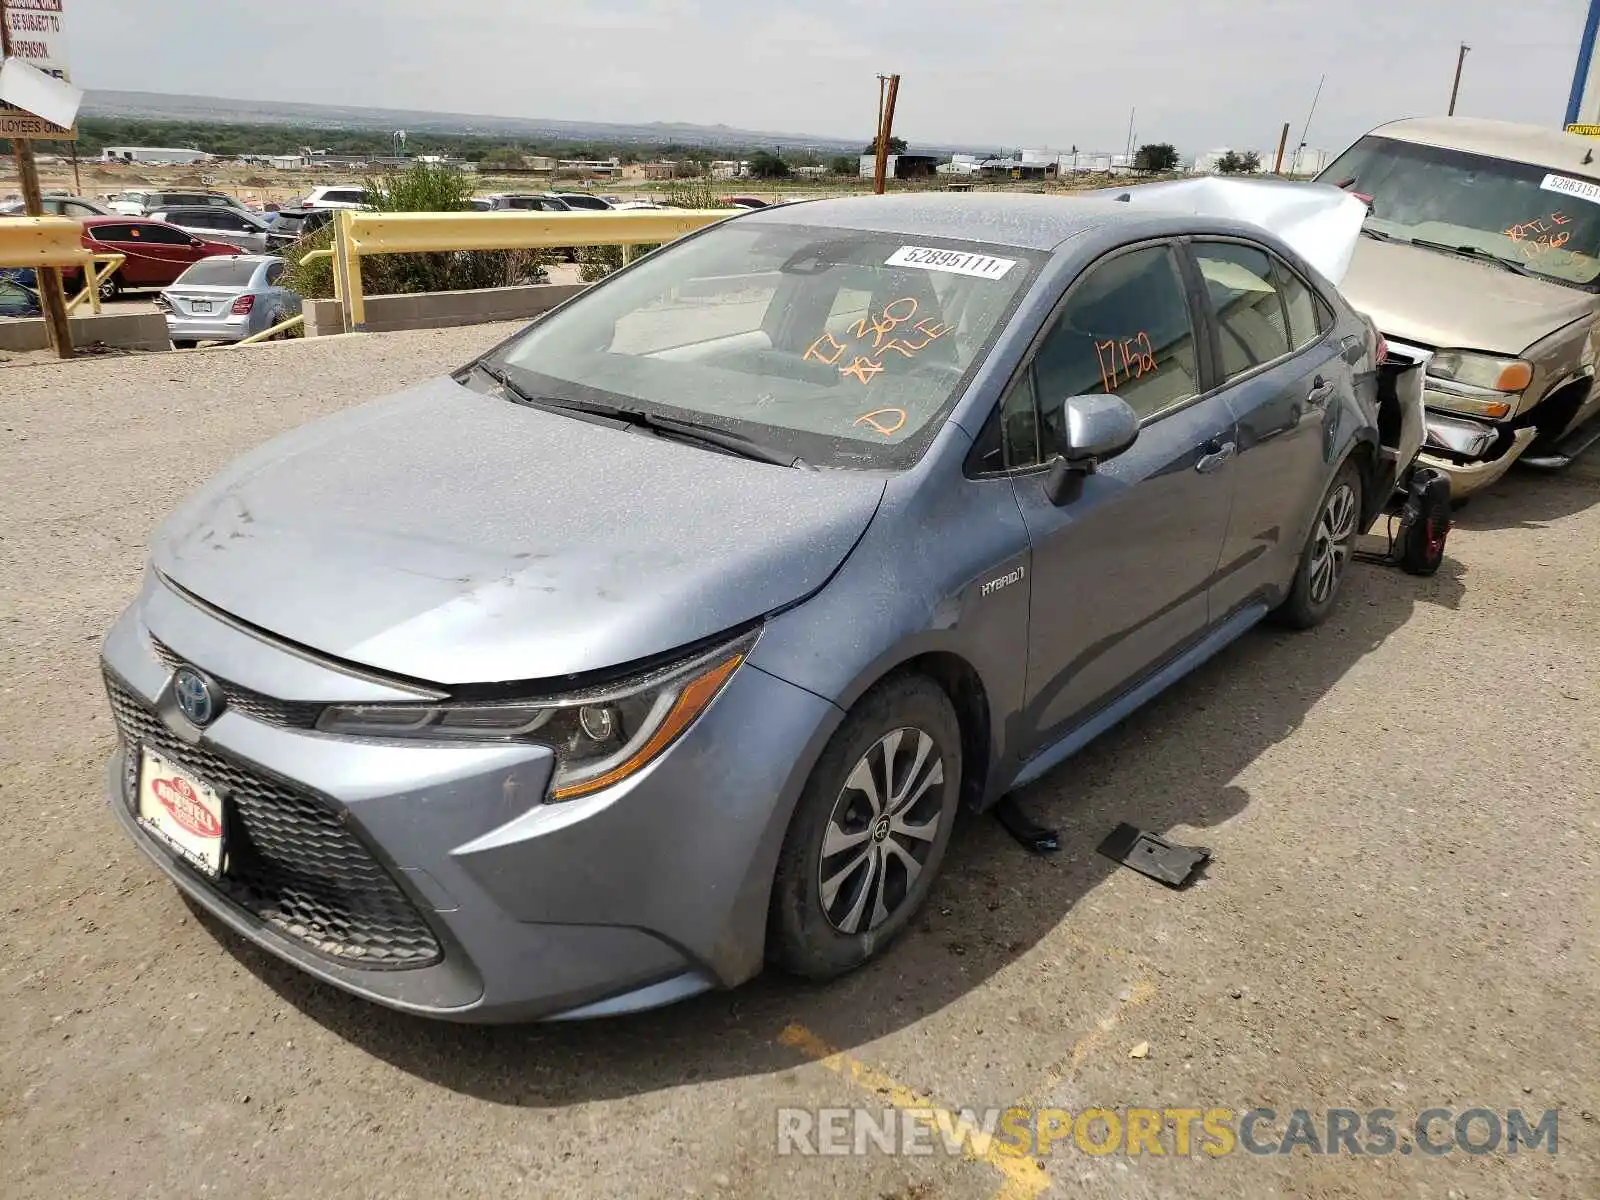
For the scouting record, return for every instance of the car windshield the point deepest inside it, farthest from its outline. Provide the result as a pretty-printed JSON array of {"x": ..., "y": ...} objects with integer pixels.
[
  {"x": 840, "y": 347},
  {"x": 219, "y": 272},
  {"x": 1546, "y": 222}
]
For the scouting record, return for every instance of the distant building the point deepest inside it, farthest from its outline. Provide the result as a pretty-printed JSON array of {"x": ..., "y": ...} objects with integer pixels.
[
  {"x": 158, "y": 156},
  {"x": 286, "y": 162},
  {"x": 900, "y": 166},
  {"x": 729, "y": 169},
  {"x": 811, "y": 172},
  {"x": 590, "y": 166}
]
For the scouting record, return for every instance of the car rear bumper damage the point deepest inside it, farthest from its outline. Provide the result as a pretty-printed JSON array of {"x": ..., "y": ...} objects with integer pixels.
[{"x": 434, "y": 878}]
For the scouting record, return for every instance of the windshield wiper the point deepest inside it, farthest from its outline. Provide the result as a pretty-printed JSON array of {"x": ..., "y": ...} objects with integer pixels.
[
  {"x": 1476, "y": 252},
  {"x": 692, "y": 431},
  {"x": 1380, "y": 235}
]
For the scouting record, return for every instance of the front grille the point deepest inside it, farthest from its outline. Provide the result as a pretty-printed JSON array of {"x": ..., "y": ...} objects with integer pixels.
[
  {"x": 293, "y": 714},
  {"x": 290, "y": 859}
]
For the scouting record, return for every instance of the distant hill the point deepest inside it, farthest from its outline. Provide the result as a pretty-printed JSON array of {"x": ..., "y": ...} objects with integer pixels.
[{"x": 155, "y": 106}]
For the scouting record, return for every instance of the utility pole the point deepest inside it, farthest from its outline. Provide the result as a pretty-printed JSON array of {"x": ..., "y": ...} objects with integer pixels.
[
  {"x": 49, "y": 278},
  {"x": 1132, "y": 112},
  {"x": 1455, "y": 88},
  {"x": 888, "y": 90},
  {"x": 1283, "y": 140}
]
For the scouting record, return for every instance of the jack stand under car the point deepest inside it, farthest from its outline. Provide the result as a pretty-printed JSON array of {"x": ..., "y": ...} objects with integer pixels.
[{"x": 1418, "y": 529}]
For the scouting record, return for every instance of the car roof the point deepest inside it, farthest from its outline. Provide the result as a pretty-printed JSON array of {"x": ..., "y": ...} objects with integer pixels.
[
  {"x": 1028, "y": 222},
  {"x": 1534, "y": 144}
]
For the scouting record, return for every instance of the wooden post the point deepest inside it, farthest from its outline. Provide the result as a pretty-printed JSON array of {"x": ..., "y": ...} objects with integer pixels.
[
  {"x": 1283, "y": 140},
  {"x": 49, "y": 278},
  {"x": 1455, "y": 88},
  {"x": 885, "y": 131}
]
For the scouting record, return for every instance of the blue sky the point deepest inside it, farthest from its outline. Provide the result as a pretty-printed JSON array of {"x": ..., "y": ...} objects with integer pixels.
[{"x": 1202, "y": 73}]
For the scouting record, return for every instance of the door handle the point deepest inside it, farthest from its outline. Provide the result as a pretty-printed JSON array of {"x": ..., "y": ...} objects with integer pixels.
[
  {"x": 1210, "y": 461},
  {"x": 1320, "y": 393}
]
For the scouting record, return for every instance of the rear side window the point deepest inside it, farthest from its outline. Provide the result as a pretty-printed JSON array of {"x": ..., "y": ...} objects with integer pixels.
[
  {"x": 345, "y": 197},
  {"x": 1251, "y": 322},
  {"x": 115, "y": 233},
  {"x": 1124, "y": 330},
  {"x": 1309, "y": 317},
  {"x": 219, "y": 272},
  {"x": 197, "y": 219}
]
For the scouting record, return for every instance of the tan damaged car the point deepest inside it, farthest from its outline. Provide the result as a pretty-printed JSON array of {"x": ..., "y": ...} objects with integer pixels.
[{"x": 1481, "y": 261}]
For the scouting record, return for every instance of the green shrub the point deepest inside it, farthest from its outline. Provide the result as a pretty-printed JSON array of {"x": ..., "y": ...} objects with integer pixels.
[{"x": 421, "y": 188}]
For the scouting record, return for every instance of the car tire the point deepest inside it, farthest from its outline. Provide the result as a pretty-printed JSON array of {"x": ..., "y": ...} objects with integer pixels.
[
  {"x": 855, "y": 868},
  {"x": 1422, "y": 553},
  {"x": 111, "y": 289},
  {"x": 1329, "y": 549}
]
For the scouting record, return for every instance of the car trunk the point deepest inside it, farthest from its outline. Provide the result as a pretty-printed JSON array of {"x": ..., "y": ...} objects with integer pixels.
[{"x": 201, "y": 300}]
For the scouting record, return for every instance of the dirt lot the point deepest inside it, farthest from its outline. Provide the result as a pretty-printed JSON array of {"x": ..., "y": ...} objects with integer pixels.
[{"x": 1402, "y": 912}]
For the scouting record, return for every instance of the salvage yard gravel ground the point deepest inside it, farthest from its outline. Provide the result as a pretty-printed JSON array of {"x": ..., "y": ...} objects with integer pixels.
[{"x": 1401, "y": 912}]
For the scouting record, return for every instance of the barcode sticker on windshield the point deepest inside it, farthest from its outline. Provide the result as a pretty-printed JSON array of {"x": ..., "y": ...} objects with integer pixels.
[
  {"x": 957, "y": 262},
  {"x": 1583, "y": 189}
]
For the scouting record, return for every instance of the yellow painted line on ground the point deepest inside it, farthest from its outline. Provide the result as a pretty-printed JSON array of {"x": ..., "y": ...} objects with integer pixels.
[
  {"x": 1023, "y": 1177},
  {"x": 1141, "y": 993}
]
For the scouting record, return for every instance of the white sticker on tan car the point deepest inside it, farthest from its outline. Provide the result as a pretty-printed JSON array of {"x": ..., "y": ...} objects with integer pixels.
[
  {"x": 956, "y": 262},
  {"x": 1583, "y": 189}
]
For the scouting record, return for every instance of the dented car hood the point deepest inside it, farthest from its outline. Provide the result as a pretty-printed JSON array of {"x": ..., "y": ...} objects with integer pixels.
[{"x": 454, "y": 537}]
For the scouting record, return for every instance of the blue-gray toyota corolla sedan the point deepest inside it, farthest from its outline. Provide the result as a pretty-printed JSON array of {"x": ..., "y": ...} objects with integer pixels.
[{"x": 668, "y": 638}]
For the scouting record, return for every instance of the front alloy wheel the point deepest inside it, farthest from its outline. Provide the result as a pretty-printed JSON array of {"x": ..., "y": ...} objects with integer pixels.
[
  {"x": 882, "y": 830},
  {"x": 870, "y": 829}
]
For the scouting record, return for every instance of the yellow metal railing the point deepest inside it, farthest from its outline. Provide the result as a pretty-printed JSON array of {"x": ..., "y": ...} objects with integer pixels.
[
  {"x": 57, "y": 242},
  {"x": 361, "y": 233},
  {"x": 96, "y": 271}
]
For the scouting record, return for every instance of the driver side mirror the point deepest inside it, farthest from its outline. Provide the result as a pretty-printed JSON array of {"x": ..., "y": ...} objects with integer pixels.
[
  {"x": 196, "y": 242},
  {"x": 1094, "y": 429}
]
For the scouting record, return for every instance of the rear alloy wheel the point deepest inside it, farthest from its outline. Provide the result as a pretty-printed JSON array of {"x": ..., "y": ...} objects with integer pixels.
[
  {"x": 870, "y": 830},
  {"x": 1328, "y": 551}
]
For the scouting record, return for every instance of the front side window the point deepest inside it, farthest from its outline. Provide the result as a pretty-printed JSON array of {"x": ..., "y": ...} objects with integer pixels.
[
  {"x": 1251, "y": 324},
  {"x": 1529, "y": 216},
  {"x": 1124, "y": 330},
  {"x": 116, "y": 233},
  {"x": 846, "y": 348},
  {"x": 162, "y": 235}
]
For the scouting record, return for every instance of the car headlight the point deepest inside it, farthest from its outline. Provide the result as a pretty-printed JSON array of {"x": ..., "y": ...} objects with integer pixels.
[
  {"x": 1479, "y": 385},
  {"x": 600, "y": 737}
]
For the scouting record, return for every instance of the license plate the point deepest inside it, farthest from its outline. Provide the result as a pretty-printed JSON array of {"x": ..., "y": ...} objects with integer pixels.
[
  {"x": 181, "y": 810},
  {"x": 199, "y": 306}
]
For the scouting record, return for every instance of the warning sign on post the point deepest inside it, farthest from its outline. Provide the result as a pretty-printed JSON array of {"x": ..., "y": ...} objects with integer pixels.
[
  {"x": 1585, "y": 130},
  {"x": 38, "y": 39}
]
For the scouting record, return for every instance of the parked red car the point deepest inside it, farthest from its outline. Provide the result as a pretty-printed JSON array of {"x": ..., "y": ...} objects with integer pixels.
[{"x": 157, "y": 253}]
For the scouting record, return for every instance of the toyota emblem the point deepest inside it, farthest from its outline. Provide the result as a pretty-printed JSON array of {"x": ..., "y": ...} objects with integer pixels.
[{"x": 197, "y": 697}]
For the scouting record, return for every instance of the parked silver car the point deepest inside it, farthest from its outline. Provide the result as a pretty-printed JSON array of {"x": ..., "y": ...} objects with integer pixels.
[
  {"x": 227, "y": 299},
  {"x": 231, "y": 225},
  {"x": 665, "y": 639}
]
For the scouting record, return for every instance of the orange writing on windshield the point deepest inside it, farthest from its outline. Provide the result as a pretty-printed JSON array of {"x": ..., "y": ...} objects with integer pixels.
[
  {"x": 872, "y": 341},
  {"x": 1538, "y": 234},
  {"x": 1125, "y": 359},
  {"x": 887, "y": 421}
]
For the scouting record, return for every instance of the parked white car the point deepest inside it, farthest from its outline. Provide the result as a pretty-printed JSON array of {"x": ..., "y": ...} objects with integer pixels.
[{"x": 337, "y": 196}]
